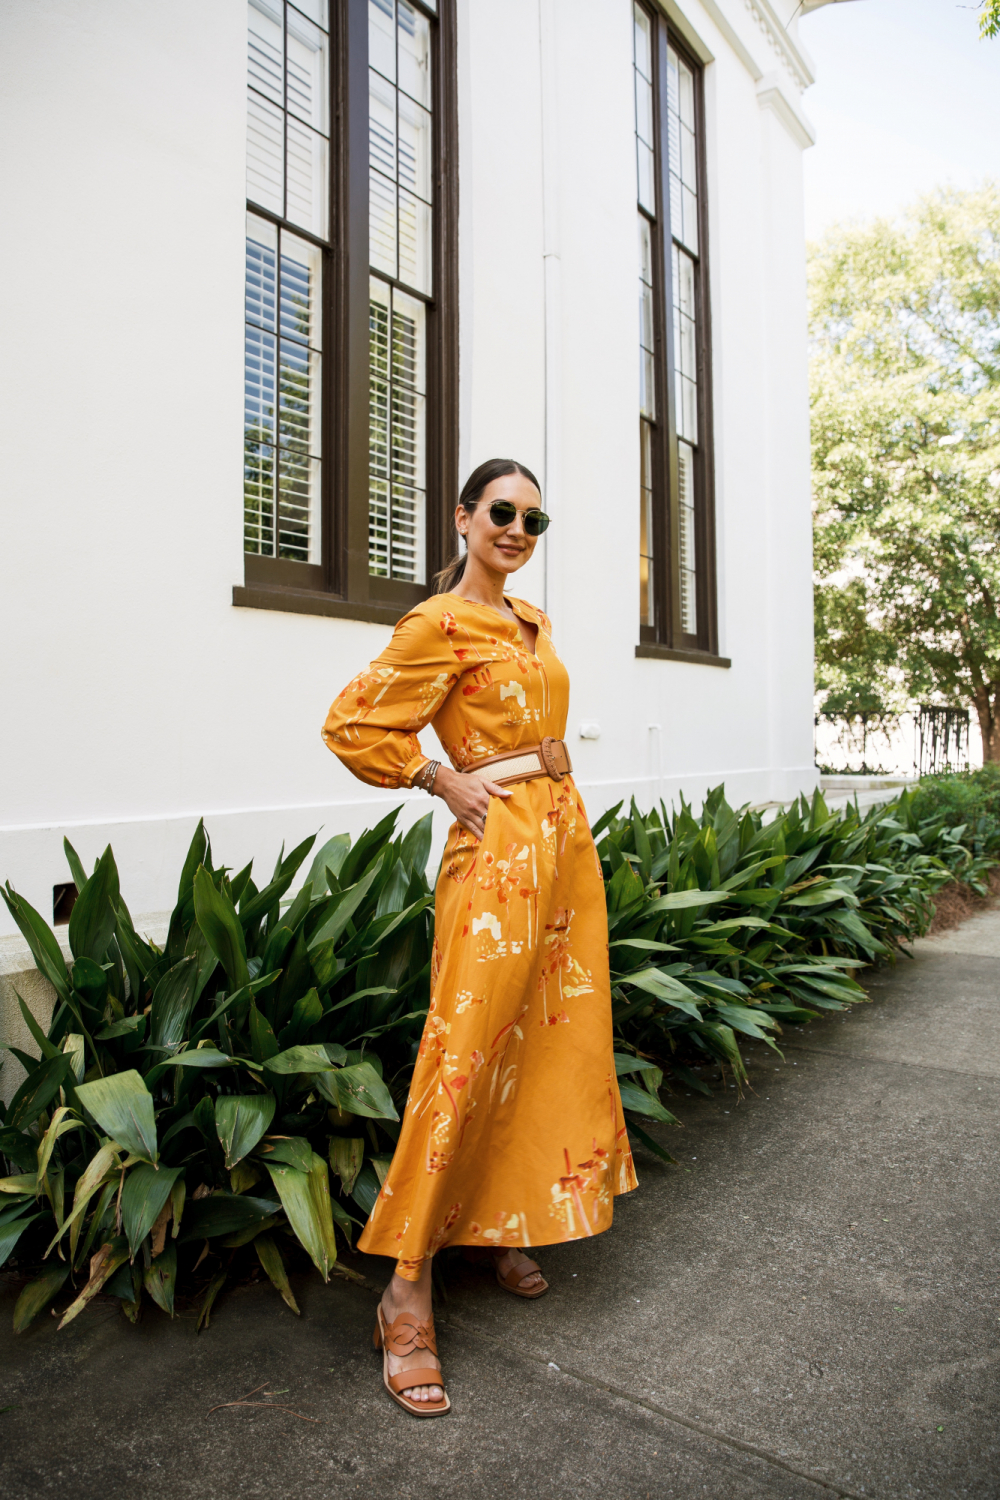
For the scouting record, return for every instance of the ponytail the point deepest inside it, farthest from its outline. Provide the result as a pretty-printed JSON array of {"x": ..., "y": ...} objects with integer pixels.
[
  {"x": 493, "y": 468},
  {"x": 445, "y": 581}
]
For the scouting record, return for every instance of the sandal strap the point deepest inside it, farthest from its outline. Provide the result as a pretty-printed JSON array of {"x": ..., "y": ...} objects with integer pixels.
[
  {"x": 407, "y": 1379},
  {"x": 408, "y": 1333},
  {"x": 517, "y": 1273}
]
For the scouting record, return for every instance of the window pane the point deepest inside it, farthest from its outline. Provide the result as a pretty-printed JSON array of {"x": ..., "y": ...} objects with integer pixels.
[
  {"x": 645, "y": 250},
  {"x": 414, "y": 148},
  {"x": 265, "y": 139},
  {"x": 683, "y": 282},
  {"x": 381, "y": 224},
  {"x": 688, "y": 162},
  {"x": 414, "y": 242},
  {"x": 673, "y": 143},
  {"x": 644, "y": 109},
  {"x": 689, "y": 224},
  {"x": 647, "y": 384},
  {"x": 644, "y": 165},
  {"x": 378, "y": 527},
  {"x": 298, "y": 416},
  {"x": 298, "y": 501},
  {"x": 676, "y": 208},
  {"x": 646, "y": 315},
  {"x": 672, "y": 87},
  {"x": 408, "y": 428},
  {"x": 409, "y": 424},
  {"x": 301, "y": 281},
  {"x": 381, "y": 125},
  {"x": 686, "y": 543},
  {"x": 307, "y": 178},
  {"x": 409, "y": 545},
  {"x": 414, "y": 54},
  {"x": 308, "y": 71},
  {"x": 409, "y": 354},
  {"x": 265, "y": 49},
  {"x": 642, "y": 50},
  {"x": 259, "y": 368},
  {"x": 685, "y": 80},
  {"x": 316, "y": 10},
  {"x": 258, "y": 497},
  {"x": 261, "y": 279},
  {"x": 382, "y": 37}
]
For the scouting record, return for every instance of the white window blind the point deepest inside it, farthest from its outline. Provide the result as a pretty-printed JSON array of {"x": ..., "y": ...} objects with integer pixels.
[
  {"x": 683, "y": 144},
  {"x": 288, "y": 72},
  {"x": 400, "y": 157}
]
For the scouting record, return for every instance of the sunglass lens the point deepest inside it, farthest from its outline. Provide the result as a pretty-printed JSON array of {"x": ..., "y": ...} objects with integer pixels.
[{"x": 502, "y": 512}]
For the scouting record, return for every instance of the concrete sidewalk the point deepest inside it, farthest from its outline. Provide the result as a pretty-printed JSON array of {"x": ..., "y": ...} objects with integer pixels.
[{"x": 808, "y": 1306}]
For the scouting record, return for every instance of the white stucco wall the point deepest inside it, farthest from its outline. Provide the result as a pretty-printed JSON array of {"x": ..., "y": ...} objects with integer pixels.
[{"x": 136, "y": 697}]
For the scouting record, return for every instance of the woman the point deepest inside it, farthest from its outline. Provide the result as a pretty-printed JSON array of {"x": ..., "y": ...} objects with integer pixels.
[{"x": 513, "y": 1133}]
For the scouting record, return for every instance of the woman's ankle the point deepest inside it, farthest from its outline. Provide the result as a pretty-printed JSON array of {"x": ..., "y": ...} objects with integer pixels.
[{"x": 403, "y": 1295}]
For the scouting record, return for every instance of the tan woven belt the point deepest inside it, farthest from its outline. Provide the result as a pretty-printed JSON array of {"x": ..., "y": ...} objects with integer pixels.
[{"x": 550, "y": 758}]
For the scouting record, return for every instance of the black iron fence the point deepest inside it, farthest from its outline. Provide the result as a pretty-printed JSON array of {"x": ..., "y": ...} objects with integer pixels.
[
  {"x": 942, "y": 740},
  {"x": 923, "y": 742}
]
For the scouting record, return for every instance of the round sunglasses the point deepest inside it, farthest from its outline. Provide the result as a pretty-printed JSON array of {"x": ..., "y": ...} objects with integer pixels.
[{"x": 535, "y": 521}]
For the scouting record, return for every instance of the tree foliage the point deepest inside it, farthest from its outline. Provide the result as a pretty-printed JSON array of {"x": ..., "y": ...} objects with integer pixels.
[
  {"x": 905, "y": 393},
  {"x": 989, "y": 21}
]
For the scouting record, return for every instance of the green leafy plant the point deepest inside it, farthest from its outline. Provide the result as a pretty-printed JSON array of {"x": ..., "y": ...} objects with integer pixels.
[
  {"x": 967, "y": 804},
  {"x": 724, "y": 927},
  {"x": 189, "y": 1103},
  {"x": 241, "y": 1088}
]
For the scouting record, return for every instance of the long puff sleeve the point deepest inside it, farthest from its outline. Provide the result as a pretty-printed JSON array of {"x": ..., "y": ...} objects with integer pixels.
[{"x": 373, "y": 724}]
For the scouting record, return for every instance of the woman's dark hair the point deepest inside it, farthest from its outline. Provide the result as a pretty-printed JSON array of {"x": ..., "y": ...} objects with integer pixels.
[{"x": 493, "y": 468}]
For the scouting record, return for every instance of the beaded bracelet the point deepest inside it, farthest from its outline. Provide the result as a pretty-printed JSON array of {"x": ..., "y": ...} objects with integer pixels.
[{"x": 427, "y": 775}]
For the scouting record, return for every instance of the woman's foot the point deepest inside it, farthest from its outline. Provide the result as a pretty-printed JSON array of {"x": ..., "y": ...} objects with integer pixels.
[
  {"x": 506, "y": 1260},
  {"x": 412, "y": 1297}
]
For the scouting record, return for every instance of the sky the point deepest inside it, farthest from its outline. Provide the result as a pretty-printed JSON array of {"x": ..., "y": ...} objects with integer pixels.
[{"x": 907, "y": 97}]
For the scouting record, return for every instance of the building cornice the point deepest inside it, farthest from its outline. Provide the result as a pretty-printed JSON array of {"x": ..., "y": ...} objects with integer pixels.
[
  {"x": 725, "y": 15},
  {"x": 771, "y": 27}
]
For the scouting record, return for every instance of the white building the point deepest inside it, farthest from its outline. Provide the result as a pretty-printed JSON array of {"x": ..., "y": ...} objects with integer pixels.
[{"x": 522, "y": 151}]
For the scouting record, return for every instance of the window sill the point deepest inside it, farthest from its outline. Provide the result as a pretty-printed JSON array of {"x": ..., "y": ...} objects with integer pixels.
[
  {"x": 668, "y": 653},
  {"x": 308, "y": 602}
]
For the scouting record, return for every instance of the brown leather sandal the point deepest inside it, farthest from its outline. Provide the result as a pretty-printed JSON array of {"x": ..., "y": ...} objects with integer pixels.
[
  {"x": 404, "y": 1335},
  {"x": 510, "y": 1282}
]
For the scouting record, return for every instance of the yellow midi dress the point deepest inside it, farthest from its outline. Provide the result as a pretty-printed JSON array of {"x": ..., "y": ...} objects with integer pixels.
[{"x": 513, "y": 1133}]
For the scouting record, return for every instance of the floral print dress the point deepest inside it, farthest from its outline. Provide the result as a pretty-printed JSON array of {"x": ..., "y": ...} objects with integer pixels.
[{"x": 513, "y": 1133}]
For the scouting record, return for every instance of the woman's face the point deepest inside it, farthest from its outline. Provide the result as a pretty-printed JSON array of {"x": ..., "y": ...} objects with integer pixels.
[{"x": 502, "y": 549}]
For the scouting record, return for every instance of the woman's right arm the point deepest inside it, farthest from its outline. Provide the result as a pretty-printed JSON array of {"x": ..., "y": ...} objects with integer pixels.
[{"x": 373, "y": 724}]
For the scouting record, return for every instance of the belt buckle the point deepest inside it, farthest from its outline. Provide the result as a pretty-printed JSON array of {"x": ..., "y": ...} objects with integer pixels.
[{"x": 547, "y": 751}]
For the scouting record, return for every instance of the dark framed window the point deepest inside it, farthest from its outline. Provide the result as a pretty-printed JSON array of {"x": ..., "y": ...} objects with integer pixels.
[
  {"x": 350, "y": 446},
  {"x": 677, "y": 538}
]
